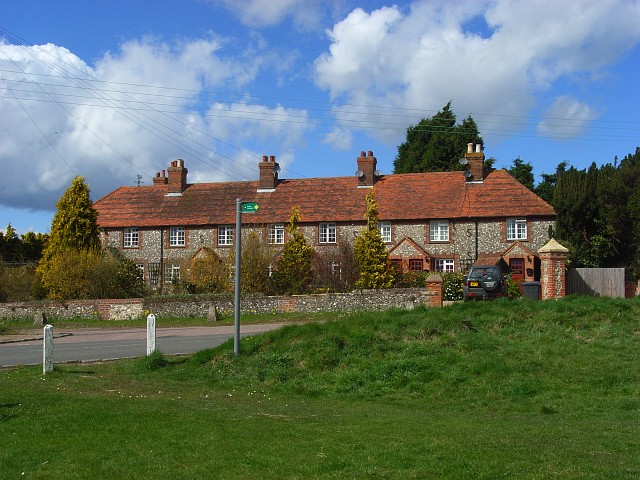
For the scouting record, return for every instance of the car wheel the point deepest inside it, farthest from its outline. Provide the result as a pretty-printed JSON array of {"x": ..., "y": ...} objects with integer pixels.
[{"x": 490, "y": 283}]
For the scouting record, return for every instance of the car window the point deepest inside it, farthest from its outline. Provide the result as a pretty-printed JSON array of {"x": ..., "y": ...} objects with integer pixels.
[{"x": 478, "y": 273}]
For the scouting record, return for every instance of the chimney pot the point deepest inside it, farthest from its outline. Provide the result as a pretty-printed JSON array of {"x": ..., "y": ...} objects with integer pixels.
[
  {"x": 268, "y": 173},
  {"x": 367, "y": 164},
  {"x": 469, "y": 147},
  {"x": 478, "y": 148},
  {"x": 163, "y": 174}
]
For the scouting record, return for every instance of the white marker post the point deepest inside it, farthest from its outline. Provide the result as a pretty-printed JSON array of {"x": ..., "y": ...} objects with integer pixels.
[
  {"x": 47, "y": 350},
  {"x": 151, "y": 334}
]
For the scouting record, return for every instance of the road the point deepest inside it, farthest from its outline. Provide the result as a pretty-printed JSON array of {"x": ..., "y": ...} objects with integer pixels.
[{"x": 85, "y": 345}]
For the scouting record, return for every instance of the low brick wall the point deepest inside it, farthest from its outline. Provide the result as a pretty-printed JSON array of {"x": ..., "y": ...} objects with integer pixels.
[{"x": 202, "y": 306}]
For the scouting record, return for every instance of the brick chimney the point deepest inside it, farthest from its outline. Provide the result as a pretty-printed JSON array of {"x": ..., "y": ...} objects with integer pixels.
[
  {"x": 177, "y": 176},
  {"x": 160, "y": 179},
  {"x": 269, "y": 170},
  {"x": 367, "y": 172},
  {"x": 475, "y": 165}
]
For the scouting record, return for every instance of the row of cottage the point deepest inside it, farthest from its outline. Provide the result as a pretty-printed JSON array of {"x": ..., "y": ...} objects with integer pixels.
[{"x": 438, "y": 221}]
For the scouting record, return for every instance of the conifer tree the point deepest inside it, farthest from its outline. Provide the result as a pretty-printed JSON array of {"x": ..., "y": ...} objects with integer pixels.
[
  {"x": 436, "y": 144},
  {"x": 73, "y": 248},
  {"x": 296, "y": 260},
  {"x": 370, "y": 253},
  {"x": 75, "y": 224}
]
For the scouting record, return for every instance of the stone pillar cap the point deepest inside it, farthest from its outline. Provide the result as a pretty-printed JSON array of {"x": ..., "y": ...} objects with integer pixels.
[{"x": 552, "y": 246}]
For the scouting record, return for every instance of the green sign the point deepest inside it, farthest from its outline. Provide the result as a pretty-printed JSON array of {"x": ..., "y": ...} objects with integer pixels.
[{"x": 249, "y": 207}]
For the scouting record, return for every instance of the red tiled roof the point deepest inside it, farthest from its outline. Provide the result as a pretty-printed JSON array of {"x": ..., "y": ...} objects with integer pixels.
[{"x": 400, "y": 197}]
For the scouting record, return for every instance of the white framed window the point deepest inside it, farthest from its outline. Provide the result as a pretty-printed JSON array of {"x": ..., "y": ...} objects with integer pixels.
[
  {"x": 385, "y": 231},
  {"x": 327, "y": 233},
  {"x": 444, "y": 265},
  {"x": 140, "y": 267},
  {"x": 439, "y": 231},
  {"x": 225, "y": 235},
  {"x": 276, "y": 234},
  {"x": 176, "y": 237},
  {"x": 516, "y": 228},
  {"x": 131, "y": 237},
  {"x": 171, "y": 273}
]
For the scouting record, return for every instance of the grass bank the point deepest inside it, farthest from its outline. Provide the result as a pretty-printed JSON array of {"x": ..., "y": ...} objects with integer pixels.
[{"x": 481, "y": 390}]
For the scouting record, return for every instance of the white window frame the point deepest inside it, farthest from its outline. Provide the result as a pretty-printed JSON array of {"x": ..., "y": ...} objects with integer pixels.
[
  {"x": 171, "y": 272},
  {"x": 439, "y": 231},
  {"x": 445, "y": 265},
  {"x": 131, "y": 238},
  {"x": 385, "y": 231},
  {"x": 177, "y": 237},
  {"x": 140, "y": 267},
  {"x": 276, "y": 234},
  {"x": 516, "y": 228},
  {"x": 327, "y": 232},
  {"x": 225, "y": 235}
]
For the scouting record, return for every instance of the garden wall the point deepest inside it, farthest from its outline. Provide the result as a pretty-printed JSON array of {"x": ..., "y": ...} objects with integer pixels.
[{"x": 204, "y": 306}]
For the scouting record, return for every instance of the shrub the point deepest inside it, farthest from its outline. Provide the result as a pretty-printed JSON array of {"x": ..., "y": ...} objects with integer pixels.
[
  {"x": 411, "y": 279},
  {"x": 452, "y": 285}
]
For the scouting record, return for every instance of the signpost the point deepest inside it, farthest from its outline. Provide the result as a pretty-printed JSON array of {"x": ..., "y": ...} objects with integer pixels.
[
  {"x": 241, "y": 207},
  {"x": 249, "y": 207}
]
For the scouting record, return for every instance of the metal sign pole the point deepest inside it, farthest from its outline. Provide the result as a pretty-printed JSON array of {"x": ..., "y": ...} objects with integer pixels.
[{"x": 236, "y": 336}]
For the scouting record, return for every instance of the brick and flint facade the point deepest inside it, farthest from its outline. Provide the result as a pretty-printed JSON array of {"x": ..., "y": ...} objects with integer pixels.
[{"x": 442, "y": 221}]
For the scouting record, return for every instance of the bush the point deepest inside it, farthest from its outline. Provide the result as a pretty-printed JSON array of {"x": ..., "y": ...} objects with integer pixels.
[
  {"x": 452, "y": 285},
  {"x": 69, "y": 274},
  {"x": 17, "y": 284},
  {"x": 411, "y": 279}
]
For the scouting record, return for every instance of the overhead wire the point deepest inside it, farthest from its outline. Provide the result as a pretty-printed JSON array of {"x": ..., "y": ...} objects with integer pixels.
[{"x": 345, "y": 116}]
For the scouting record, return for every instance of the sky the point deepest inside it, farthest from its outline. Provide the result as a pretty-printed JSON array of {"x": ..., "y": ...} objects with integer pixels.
[{"x": 115, "y": 90}]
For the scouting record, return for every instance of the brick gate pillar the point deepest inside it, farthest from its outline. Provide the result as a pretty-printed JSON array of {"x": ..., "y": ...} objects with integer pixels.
[
  {"x": 553, "y": 258},
  {"x": 434, "y": 285}
]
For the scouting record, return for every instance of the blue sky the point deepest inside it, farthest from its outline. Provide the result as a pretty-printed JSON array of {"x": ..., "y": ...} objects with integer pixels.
[{"x": 113, "y": 90}]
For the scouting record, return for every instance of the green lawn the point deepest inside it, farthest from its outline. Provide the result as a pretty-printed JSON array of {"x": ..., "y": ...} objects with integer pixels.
[{"x": 485, "y": 390}]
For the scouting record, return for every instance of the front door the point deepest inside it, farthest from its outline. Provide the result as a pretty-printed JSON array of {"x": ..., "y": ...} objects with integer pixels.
[{"x": 516, "y": 265}]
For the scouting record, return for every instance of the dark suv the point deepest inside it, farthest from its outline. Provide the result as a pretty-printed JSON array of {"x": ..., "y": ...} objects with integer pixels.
[{"x": 484, "y": 281}]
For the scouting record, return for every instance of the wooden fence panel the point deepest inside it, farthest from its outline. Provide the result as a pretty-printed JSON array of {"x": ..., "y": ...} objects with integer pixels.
[{"x": 596, "y": 282}]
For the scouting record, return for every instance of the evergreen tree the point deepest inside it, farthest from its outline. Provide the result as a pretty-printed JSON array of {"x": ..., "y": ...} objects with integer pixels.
[
  {"x": 370, "y": 253},
  {"x": 436, "y": 144},
  {"x": 74, "y": 225},
  {"x": 523, "y": 172},
  {"x": 74, "y": 237},
  {"x": 294, "y": 272}
]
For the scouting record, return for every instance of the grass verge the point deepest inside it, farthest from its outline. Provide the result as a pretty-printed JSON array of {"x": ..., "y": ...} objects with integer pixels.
[{"x": 482, "y": 390}]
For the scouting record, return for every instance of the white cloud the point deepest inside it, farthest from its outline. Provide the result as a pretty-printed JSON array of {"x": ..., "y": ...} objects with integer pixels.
[
  {"x": 339, "y": 138},
  {"x": 146, "y": 110},
  {"x": 566, "y": 118},
  {"x": 419, "y": 59},
  {"x": 306, "y": 14}
]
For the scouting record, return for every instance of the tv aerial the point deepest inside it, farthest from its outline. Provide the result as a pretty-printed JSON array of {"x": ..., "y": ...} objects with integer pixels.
[{"x": 139, "y": 179}]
